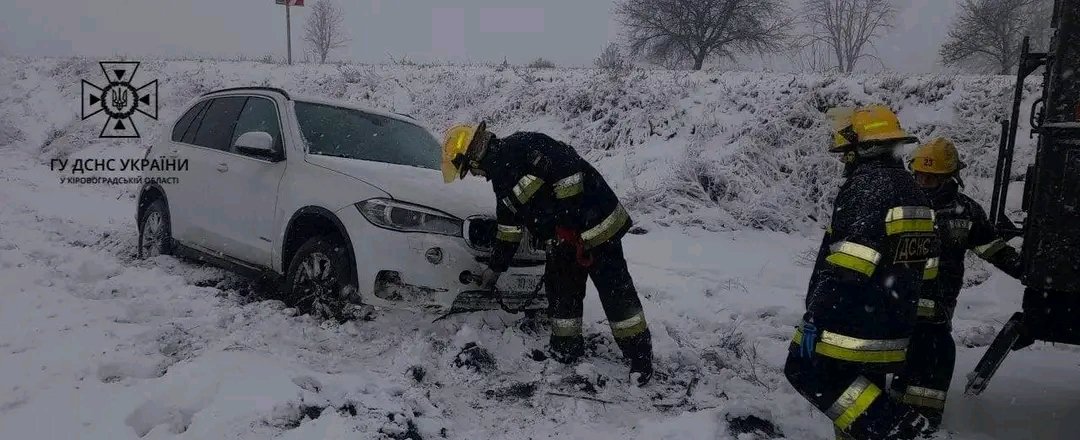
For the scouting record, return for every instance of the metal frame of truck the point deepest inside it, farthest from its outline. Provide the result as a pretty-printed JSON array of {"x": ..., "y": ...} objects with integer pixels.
[{"x": 1050, "y": 254}]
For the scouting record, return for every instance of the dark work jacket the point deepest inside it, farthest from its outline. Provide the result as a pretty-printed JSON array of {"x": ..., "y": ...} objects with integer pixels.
[
  {"x": 881, "y": 211},
  {"x": 962, "y": 226},
  {"x": 540, "y": 184}
]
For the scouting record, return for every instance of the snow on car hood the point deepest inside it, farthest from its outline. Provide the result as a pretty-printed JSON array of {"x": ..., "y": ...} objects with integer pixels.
[{"x": 421, "y": 186}]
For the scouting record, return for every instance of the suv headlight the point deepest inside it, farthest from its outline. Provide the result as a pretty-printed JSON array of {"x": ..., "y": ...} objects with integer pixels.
[{"x": 405, "y": 217}]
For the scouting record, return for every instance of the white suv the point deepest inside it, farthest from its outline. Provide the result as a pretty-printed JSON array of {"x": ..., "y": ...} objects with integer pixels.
[{"x": 341, "y": 203}]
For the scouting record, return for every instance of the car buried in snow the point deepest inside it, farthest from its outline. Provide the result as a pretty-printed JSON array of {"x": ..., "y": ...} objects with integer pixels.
[{"x": 341, "y": 204}]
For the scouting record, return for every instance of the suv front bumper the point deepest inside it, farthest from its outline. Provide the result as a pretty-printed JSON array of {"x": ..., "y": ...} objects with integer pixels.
[{"x": 431, "y": 271}]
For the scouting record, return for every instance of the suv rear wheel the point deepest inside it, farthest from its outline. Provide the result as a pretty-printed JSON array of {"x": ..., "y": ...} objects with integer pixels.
[{"x": 320, "y": 278}]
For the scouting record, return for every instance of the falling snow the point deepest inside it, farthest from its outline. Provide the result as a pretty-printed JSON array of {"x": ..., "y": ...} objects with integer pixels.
[{"x": 95, "y": 344}]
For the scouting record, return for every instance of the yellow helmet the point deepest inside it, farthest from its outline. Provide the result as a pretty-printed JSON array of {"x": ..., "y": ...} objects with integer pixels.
[
  {"x": 875, "y": 124},
  {"x": 458, "y": 152},
  {"x": 840, "y": 119},
  {"x": 939, "y": 156}
]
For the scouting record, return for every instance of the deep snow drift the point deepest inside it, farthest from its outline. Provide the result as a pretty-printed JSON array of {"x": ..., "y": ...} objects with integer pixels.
[{"x": 96, "y": 344}]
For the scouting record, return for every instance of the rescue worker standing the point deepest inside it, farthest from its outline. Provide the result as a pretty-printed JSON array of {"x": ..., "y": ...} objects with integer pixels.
[
  {"x": 861, "y": 301},
  {"x": 962, "y": 225},
  {"x": 542, "y": 185}
]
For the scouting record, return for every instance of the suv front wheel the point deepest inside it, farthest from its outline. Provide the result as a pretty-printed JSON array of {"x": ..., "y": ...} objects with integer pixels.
[
  {"x": 155, "y": 234},
  {"x": 320, "y": 278}
]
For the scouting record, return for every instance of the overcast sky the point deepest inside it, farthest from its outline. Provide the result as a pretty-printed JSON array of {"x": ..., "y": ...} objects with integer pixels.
[{"x": 569, "y": 32}]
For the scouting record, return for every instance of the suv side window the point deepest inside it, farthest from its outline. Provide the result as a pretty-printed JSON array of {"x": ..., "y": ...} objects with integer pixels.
[
  {"x": 217, "y": 125},
  {"x": 259, "y": 114},
  {"x": 189, "y": 133},
  {"x": 184, "y": 122}
]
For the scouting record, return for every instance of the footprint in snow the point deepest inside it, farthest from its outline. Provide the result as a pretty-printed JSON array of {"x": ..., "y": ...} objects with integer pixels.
[
  {"x": 112, "y": 372},
  {"x": 290, "y": 415},
  {"x": 308, "y": 383},
  {"x": 152, "y": 414},
  {"x": 173, "y": 341}
]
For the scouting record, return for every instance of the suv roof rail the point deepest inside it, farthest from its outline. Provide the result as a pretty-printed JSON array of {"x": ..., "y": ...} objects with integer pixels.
[{"x": 269, "y": 89}]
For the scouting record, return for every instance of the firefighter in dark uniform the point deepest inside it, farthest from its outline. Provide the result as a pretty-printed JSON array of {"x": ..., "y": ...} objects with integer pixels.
[
  {"x": 861, "y": 301},
  {"x": 541, "y": 185},
  {"x": 962, "y": 226}
]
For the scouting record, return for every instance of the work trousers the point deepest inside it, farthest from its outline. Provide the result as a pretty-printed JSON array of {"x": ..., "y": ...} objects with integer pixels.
[
  {"x": 565, "y": 279},
  {"x": 924, "y": 381}
]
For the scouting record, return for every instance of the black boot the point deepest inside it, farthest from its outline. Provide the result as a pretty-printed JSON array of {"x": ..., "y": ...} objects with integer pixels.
[
  {"x": 912, "y": 425},
  {"x": 567, "y": 349},
  {"x": 638, "y": 349},
  {"x": 642, "y": 367}
]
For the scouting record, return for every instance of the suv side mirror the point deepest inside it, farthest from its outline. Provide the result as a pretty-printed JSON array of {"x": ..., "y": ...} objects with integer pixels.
[{"x": 257, "y": 143}]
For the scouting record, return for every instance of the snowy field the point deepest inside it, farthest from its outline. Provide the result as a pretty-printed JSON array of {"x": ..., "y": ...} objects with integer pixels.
[{"x": 725, "y": 171}]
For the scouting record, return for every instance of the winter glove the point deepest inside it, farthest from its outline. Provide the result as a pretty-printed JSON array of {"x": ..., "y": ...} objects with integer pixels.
[
  {"x": 489, "y": 278},
  {"x": 809, "y": 340}
]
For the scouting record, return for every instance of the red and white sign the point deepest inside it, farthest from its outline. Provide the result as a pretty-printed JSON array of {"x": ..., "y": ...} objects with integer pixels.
[{"x": 290, "y": 2}]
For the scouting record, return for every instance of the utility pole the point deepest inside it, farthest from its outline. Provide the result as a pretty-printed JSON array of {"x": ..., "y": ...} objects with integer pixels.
[
  {"x": 288, "y": 33},
  {"x": 288, "y": 24}
]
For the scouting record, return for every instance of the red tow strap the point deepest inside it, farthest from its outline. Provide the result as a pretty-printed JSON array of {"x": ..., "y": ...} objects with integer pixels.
[{"x": 571, "y": 236}]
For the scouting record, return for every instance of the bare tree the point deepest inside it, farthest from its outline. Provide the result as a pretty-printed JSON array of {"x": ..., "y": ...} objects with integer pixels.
[
  {"x": 670, "y": 31},
  {"x": 1040, "y": 14},
  {"x": 847, "y": 27},
  {"x": 987, "y": 34},
  {"x": 811, "y": 56},
  {"x": 325, "y": 28}
]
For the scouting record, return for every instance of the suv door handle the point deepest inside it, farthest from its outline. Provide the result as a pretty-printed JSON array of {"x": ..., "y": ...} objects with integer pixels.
[{"x": 223, "y": 167}]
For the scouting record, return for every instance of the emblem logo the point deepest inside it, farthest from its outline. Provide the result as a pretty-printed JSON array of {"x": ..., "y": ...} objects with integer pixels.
[{"x": 119, "y": 99}]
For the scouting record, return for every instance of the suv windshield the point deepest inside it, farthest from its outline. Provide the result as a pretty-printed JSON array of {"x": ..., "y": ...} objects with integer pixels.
[{"x": 336, "y": 131}]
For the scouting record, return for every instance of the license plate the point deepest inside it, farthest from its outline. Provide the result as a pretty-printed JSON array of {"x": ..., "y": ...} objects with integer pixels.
[{"x": 519, "y": 283}]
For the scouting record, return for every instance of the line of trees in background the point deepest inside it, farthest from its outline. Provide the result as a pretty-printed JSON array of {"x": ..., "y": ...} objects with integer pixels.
[
  {"x": 820, "y": 35},
  {"x": 817, "y": 35}
]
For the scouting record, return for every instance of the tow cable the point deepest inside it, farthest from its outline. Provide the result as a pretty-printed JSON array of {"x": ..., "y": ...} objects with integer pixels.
[
  {"x": 498, "y": 294},
  {"x": 528, "y": 301}
]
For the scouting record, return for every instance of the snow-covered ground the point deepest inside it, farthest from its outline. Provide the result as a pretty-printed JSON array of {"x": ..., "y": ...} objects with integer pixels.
[{"x": 96, "y": 344}]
